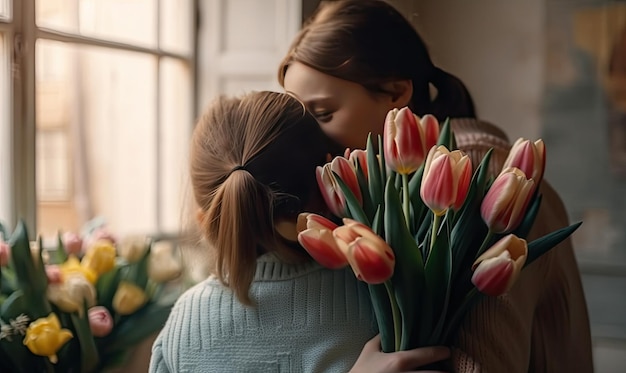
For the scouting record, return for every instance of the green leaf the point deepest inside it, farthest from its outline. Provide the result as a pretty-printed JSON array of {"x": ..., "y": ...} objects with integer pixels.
[
  {"x": 543, "y": 244},
  {"x": 419, "y": 209},
  {"x": 375, "y": 179},
  {"x": 529, "y": 219},
  {"x": 106, "y": 286},
  {"x": 408, "y": 277},
  {"x": 368, "y": 205},
  {"x": 59, "y": 255},
  {"x": 446, "y": 136},
  {"x": 382, "y": 310},
  {"x": 356, "y": 211},
  {"x": 89, "y": 356}
]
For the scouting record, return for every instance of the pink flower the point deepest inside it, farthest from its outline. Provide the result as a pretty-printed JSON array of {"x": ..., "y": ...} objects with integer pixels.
[
  {"x": 316, "y": 237},
  {"x": 529, "y": 157},
  {"x": 5, "y": 253},
  {"x": 53, "y": 272},
  {"x": 446, "y": 179},
  {"x": 72, "y": 243},
  {"x": 403, "y": 141},
  {"x": 496, "y": 270},
  {"x": 329, "y": 186},
  {"x": 430, "y": 125},
  {"x": 357, "y": 156},
  {"x": 100, "y": 321},
  {"x": 505, "y": 204},
  {"x": 370, "y": 257}
]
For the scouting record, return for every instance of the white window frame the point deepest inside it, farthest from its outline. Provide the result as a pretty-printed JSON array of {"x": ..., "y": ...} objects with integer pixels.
[{"x": 21, "y": 33}]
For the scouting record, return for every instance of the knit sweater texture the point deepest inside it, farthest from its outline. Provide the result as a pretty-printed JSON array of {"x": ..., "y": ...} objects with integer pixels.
[{"x": 306, "y": 319}]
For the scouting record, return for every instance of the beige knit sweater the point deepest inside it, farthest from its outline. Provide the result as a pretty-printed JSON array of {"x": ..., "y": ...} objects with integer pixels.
[{"x": 541, "y": 324}]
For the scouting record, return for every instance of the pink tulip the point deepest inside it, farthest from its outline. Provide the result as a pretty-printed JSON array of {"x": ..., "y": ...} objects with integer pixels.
[
  {"x": 446, "y": 179},
  {"x": 529, "y": 157},
  {"x": 357, "y": 156},
  {"x": 100, "y": 321},
  {"x": 317, "y": 239},
  {"x": 496, "y": 270},
  {"x": 72, "y": 243},
  {"x": 403, "y": 141},
  {"x": 430, "y": 125},
  {"x": 370, "y": 257},
  {"x": 5, "y": 254},
  {"x": 505, "y": 204},
  {"x": 331, "y": 191}
]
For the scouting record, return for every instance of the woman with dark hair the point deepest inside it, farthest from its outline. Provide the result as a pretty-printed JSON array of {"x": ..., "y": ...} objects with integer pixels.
[{"x": 355, "y": 60}]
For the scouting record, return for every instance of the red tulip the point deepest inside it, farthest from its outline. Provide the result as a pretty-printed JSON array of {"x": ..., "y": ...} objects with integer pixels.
[
  {"x": 505, "y": 204},
  {"x": 446, "y": 179},
  {"x": 370, "y": 257},
  {"x": 72, "y": 243},
  {"x": 496, "y": 270},
  {"x": 357, "y": 156},
  {"x": 316, "y": 237},
  {"x": 430, "y": 125},
  {"x": 403, "y": 141},
  {"x": 5, "y": 253},
  {"x": 330, "y": 189},
  {"x": 100, "y": 321},
  {"x": 529, "y": 157}
]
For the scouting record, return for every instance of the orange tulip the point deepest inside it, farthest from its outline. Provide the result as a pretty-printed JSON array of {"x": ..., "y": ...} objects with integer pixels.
[
  {"x": 446, "y": 179},
  {"x": 404, "y": 141},
  {"x": 370, "y": 257},
  {"x": 505, "y": 204},
  {"x": 331, "y": 191},
  {"x": 496, "y": 270},
  {"x": 529, "y": 157}
]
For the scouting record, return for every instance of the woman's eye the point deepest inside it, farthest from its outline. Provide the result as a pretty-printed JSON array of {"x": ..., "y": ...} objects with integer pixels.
[{"x": 323, "y": 116}]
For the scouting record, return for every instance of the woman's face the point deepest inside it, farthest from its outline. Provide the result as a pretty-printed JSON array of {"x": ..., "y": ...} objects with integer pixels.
[{"x": 346, "y": 111}]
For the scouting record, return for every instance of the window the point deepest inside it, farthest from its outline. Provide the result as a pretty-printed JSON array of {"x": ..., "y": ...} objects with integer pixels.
[{"x": 99, "y": 111}]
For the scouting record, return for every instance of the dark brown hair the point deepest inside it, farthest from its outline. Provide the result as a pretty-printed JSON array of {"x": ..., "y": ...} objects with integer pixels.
[
  {"x": 370, "y": 43},
  {"x": 252, "y": 163}
]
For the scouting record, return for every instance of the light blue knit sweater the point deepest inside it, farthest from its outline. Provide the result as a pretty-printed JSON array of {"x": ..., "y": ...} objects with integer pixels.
[{"x": 307, "y": 319}]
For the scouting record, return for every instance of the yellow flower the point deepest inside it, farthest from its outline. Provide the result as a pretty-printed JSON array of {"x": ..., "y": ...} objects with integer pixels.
[
  {"x": 164, "y": 265},
  {"x": 44, "y": 337},
  {"x": 128, "y": 298},
  {"x": 72, "y": 266},
  {"x": 100, "y": 257}
]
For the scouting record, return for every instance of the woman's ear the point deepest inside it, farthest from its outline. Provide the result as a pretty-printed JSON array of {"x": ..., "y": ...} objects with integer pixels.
[{"x": 401, "y": 92}]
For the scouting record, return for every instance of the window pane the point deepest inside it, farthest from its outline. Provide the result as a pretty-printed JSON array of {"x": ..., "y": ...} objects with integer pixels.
[
  {"x": 96, "y": 130},
  {"x": 5, "y": 9},
  {"x": 176, "y": 26},
  {"x": 5, "y": 134},
  {"x": 175, "y": 108},
  {"x": 129, "y": 21}
]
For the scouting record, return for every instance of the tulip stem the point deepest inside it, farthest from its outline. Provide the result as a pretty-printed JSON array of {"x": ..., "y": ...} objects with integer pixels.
[
  {"x": 406, "y": 200},
  {"x": 483, "y": 246},
  {"x": 395, "y": 313},
  {"x": 433, "y": 233}
]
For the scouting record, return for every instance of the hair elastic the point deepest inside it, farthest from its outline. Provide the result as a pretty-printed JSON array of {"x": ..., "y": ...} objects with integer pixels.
[{"x": 237, "y": 168}]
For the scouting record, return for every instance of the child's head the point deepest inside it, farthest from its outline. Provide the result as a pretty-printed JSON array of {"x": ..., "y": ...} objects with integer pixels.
[
  {"x": 252, "y": 166},
  {"x": 370, "y": 43}
]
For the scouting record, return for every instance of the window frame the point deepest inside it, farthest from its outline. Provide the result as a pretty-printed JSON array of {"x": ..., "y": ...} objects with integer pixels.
[{"x": 21, "y": 33}]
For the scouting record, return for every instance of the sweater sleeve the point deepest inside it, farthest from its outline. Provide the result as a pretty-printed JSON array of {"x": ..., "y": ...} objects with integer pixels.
[{"x": 157, "y": 362}]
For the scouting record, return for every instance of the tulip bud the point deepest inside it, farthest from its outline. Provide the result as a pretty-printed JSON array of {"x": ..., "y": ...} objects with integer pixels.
[
  {"x": 403, "y": 141},
  {"x": 163, "y": 264},
  {"x": 496, "y": 270},
  {"x": 317, "y": 239},
  {"x": 446, "y": 179},
  {"x": 329, "y": 186},
  {"x": 53, "y": 273},
  {"x": 505, "y": 204},
  {"x": 72, "y": 243},
  {"x": 370, "y": 257},
  {"x": 128, "y": 298},
  {"x": 100, "y": 321},
  {"x": 100, "y": 257},
  {"x": 529, "y": 157},
  {"x": 72, "y": 266},
  {"x": 357, "y": 157},
  {"x": 430, "y": 125},
  {"x": 5, "y": 254},
  {"x": 133, "y": 248},
  {"x": 44, "y": 337},
  {"x": 72, "y": 293}
]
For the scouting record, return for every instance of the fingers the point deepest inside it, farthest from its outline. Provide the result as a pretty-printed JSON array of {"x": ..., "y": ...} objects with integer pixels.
[{"x": 421, "y": 356}]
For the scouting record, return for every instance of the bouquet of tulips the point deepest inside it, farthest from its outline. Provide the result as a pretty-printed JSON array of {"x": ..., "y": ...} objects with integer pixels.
[
  {"x": 83, "y": 304},
  {"x": 427, "y": 233}
]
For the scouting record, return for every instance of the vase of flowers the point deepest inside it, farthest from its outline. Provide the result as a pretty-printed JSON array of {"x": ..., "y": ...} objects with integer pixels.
[
  {"x": 429, "y": 235},
  {"x": 83, "y": 304}
]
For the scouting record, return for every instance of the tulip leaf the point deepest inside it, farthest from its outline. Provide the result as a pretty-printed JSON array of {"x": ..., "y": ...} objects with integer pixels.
[
  {"x": 382, "y": 309},
  {"x": 107, "y": 286},
  {"x": 446, "y": 136},
  {"x": 375, "y": 179},
  {"x": 14, "y": 306},
  {"x": 356, "y": 211},
  {"x": 419, "y": 208},
  {"x": 543, "y": 244},
  {"x": 59, "y": 255},
  {"x": 368, "y": 205},
  {"x": 383, "y": 162},
  {"x": 438, "y": 270},
  {"x": 4, "y": 232},
  {"x": 529, "y": 219},
  {"x": 408, "y": 277},
  {"x": 89, "y": 357}
]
